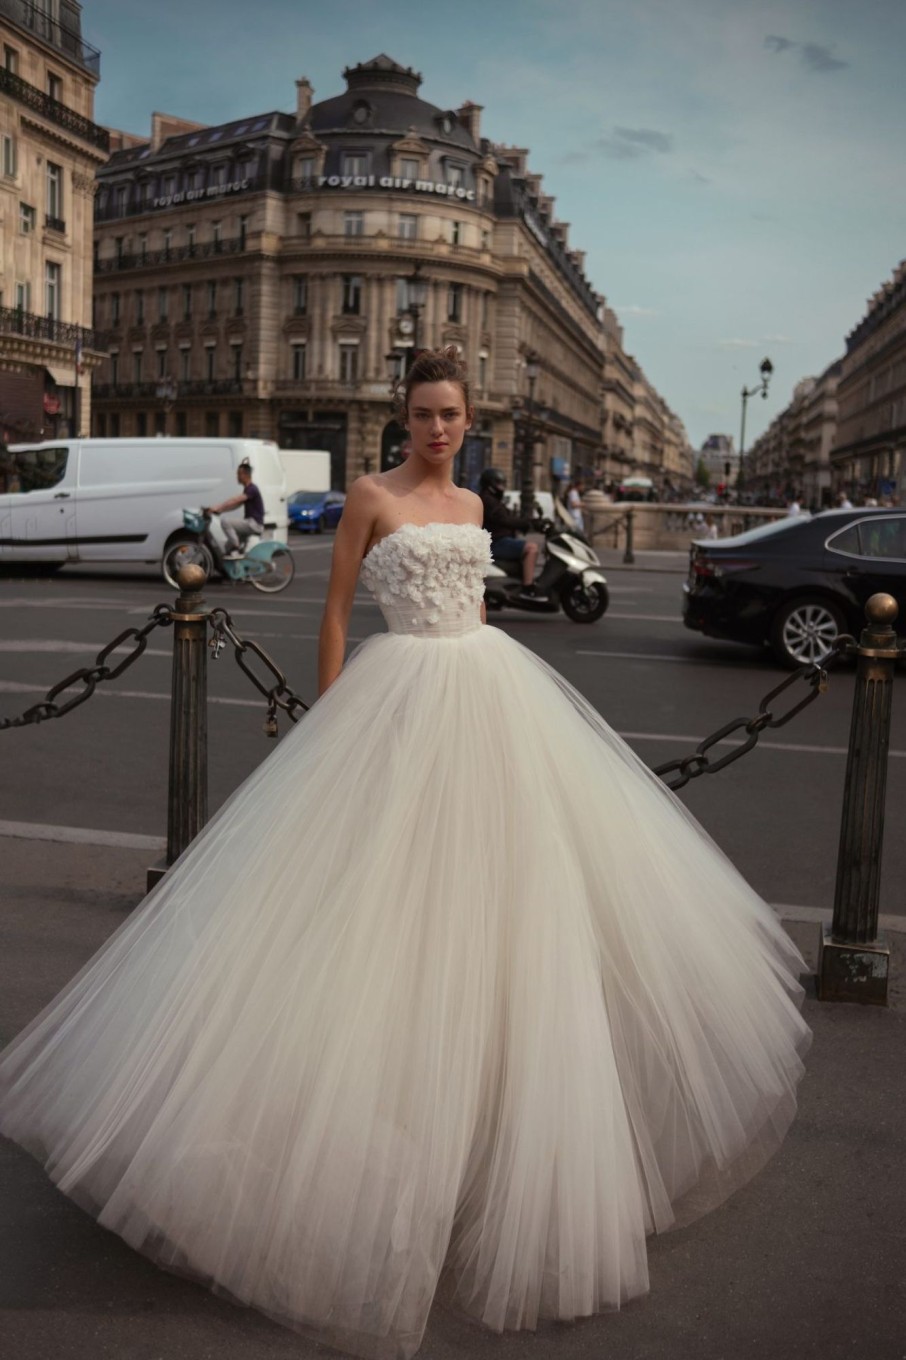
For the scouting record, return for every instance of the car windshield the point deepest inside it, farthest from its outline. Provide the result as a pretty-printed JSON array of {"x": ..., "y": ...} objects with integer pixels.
[
  {"x": 776, "y": 526},
  {"x": 306, "y": 498}
]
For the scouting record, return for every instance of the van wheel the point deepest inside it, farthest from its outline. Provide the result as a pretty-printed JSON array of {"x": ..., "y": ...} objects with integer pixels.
[{"x": 185, "y": 552}]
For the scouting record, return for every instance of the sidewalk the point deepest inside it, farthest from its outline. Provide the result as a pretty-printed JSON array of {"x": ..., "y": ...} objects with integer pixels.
[
  {"x": 648, "y": 559},
  {"x": 807, "y": 1262}
]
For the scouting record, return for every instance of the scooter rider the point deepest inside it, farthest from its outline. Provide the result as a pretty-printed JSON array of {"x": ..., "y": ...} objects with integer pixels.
[{"x": 503, "y": 526}]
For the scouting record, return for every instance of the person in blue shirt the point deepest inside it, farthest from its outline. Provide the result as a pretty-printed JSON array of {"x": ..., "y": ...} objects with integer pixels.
[{"x": 237, "y": 528}]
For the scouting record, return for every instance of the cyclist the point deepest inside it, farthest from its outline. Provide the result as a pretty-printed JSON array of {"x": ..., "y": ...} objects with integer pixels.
[{"x": 251, "y": 521}]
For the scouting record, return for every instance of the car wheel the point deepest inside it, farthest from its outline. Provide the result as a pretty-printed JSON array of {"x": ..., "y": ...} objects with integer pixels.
[
  {"x": 804, "y": 630},
  {"x": 322, "y": 524}
]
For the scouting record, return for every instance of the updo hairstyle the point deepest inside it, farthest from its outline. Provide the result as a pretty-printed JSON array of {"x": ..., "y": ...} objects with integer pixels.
[{"x": 431, "y": 366}]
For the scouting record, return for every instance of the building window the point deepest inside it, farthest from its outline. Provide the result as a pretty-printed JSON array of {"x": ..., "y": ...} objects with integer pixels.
[
  {"x": 191, "y": 234},
  {"x": 100, "y": 424},
  {"x": 305, "y": 169},
  {"x": 114, "y": 424},
  {"x": 300, "y": 294},
  {"x": 243, "y": 231},
  {"x": 235, "y": 424},
  {"x": 352, "y": 294},
  {"x": 185, "y": 365},
  {"x": 137, "y": 356},
  {"x": 212, "y": 424},
  {"x": 485, "y": 305},
  {"x": 187, "y": 302},
  {"x": 115, "y": 368},
  {"x": 119, "y": 246},
  {"x": 161, "y": 364},
  {"x": 27, "y": 219},
  {"x": 299, "y": 352},
  {"x": 210, "y": 363},
  {"x": 349, "y": 362},
  {"x": 10, "y": 159},
  {"x": 217, "y": 234},
  {"x": 55, "y": 191},
  {"x": 218, "y": 176},
  {"x": 303, "y": 225},
  {"x": 182, "y": 428},
  {"x": 23, "y": 297},
  {"x": 408, "y": 226},
  {"x": 139, "y": 307},
  {"x": 168, "y": 186},
  {"x": 485, "y": 239},
  {"x": 53, "y": 286},
  {"x": 11, "y": 59},
  {"x": 454, "y": 175},
  {"x": 454, "y": 302},
  {"x": 122, "y": 200},
  {"x": 163, "y": 304},
  {"x": 168, "y": 242},
  {"x": 141, "y": 424},
  {"x": 115, "y": 309},
  {"x": 212, "y": 300},
  {"x": 455, "y": 233},
  {"x": 237, "y": 363},
  {"x": 482, "y": 372},
  {"x": 410, "y": 167},
  {"x": 355, "y": 163},
  {"x": 55, "y": 87},
  {"x": 238, "y": 297},
  {"x": 142, "y": 244},
  {"x": 195, "y": 179},
  {"x": 353, "y": 224}
]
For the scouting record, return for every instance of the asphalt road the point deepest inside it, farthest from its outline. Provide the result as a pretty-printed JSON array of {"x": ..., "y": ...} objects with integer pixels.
[{"x": 104, "y": 767}]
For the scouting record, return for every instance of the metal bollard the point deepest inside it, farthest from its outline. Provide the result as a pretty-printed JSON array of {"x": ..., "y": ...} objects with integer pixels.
[
  {"x": 629, "y": 555},
  {"x": 853, "y": 959},
  {"x": 187, "y": 806}
]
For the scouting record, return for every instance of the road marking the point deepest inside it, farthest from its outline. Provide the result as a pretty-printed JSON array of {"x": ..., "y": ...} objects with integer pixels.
[
  {"x": 731, "y": 741},
  {"x": 824, "y": 915},
  {"x": 79, "y": 835},
  {"x": 77, "y": 648},
  {"x": 646, "y": 618},
  {"x": 728, "y": 660}
]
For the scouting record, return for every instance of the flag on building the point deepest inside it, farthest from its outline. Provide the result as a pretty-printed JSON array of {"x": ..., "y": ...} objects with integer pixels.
[{"x": 79, "y": 366}]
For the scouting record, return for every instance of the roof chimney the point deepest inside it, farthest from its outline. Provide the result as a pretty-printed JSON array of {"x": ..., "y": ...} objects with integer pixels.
[
  {"x": 470, "y": 117},
  {"x": 304, "y": 96}
]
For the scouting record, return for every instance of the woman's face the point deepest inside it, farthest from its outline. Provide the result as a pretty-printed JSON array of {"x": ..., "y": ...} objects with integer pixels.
[{"x": 437, "y": 419}]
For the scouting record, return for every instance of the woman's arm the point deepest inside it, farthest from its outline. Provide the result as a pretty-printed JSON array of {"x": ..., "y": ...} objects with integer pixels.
[{"x": 354, "y": 533}]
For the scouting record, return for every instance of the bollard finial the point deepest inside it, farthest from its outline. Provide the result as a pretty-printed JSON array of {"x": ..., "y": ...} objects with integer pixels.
[
  {"x": 881, "y": 608},
  {"x": 191, "y": 579}
]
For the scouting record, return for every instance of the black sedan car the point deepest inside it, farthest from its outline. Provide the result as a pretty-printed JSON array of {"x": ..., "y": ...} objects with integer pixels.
[{"x": 795, "y": 583}]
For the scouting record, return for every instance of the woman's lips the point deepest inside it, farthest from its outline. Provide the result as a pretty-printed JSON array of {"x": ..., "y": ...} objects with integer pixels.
[{"x": 437, "y": 446}]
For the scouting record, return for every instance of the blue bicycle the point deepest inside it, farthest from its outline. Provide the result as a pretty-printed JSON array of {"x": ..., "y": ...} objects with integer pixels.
[{"x": 266, "y": 564}]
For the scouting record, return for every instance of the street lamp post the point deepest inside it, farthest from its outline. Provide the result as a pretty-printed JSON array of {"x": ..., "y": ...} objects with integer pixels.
[
  {"x": 765, "y": 368},
  {"x": 527, "y": 500},
  {"x": 167, "y": 392},
  {"x": 417, "y": 293}
]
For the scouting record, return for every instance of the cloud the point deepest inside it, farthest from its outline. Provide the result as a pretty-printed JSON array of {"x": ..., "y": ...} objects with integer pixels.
[
  {"x": 628, "y": 144},
  {"x": 699, "y": 177},
  {"x": 778, "y": 340},
  {"x": 818, "y": 58},
  {"x": 646, "y": 137},
  {"x": 813, "y": 56},
  {"x": 633, "y": 309},
  {"x": 739, "y": 344}
]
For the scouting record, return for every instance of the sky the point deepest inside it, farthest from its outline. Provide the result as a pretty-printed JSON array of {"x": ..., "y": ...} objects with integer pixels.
[{"x": 733, "y": 169}]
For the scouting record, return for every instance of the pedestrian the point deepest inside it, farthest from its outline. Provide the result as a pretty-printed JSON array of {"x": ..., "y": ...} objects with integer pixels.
[
  {"x": 793, "y": 506},
  {"x": 574, "y": 505},
  {"x": 843, "y": 501},
  {"x": 710, "y": 527},
  {"x": 514, "y": 1011}
]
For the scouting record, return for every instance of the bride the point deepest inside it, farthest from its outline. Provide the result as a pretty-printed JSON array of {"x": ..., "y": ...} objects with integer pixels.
[{"x": 517, "y": 1013}]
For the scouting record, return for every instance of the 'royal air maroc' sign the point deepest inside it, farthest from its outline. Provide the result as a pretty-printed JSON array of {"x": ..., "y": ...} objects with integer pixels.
[{"x": 418, "y": 186}]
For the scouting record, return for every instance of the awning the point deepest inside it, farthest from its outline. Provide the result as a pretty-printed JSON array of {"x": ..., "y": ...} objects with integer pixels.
[{"x": 63, "y": 377}]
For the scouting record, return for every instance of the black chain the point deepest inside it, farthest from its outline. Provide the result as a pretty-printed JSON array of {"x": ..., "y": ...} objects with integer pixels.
[
  {"x": 691, "y": 766},
  {"x": 278, "y": 695},
  {"x": 89, "y": 677}
]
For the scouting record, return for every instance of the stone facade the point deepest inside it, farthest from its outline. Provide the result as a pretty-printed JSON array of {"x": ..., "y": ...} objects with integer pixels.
[
  {"x": 270, "y": 276},
  {"x": 50, "y": 151}
]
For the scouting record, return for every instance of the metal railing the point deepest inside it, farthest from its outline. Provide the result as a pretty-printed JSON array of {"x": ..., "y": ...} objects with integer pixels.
[
  {"x": 53, "y": 110},
  {"x": 37, "y": 20},
  {"x": 151, "y": 259},
  {"x": 16, "y": 321},
  {"x": 54, "y": 224}
]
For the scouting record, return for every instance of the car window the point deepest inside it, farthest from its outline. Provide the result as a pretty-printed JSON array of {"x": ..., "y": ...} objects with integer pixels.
[
  {"x": 33, "y": 469},
  {"x": 878, "y": 537}
]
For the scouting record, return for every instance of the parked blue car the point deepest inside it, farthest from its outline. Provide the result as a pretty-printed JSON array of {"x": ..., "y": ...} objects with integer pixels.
[{"x": 311, "y": 512}]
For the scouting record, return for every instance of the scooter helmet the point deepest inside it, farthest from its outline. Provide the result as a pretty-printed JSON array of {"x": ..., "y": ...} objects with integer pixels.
[{"x": 493, "y": 480}]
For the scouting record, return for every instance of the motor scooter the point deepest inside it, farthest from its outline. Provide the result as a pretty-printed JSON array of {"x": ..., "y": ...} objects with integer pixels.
[
  {"x": 570, "y": 579},
  {"x": 266, "y": 564}
]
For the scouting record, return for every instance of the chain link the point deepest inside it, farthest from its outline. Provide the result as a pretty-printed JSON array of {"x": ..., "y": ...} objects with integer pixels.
[
  {"x": 89, "y": 677},
  {"x": 278, "y": 695},
  {"x": 699, "y": 762}
]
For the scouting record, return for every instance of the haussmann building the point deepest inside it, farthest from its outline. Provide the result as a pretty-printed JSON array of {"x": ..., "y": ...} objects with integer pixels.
[{"x": 267, "y": 277}]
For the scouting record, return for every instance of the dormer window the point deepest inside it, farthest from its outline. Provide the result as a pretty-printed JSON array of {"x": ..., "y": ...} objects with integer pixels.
[
  {"x": 446, "y": 123},
  {"x": 410, "y": 167},
  {"x": 355, "y": 163},
  {"x": 455, "y": 175}
]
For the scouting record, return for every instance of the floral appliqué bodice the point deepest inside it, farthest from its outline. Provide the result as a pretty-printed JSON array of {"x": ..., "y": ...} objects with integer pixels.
[{"x": 429, "y": 578}]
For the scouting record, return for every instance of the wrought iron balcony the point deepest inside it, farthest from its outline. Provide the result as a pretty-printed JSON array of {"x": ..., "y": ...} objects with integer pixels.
[
  {"x": 124, "y": 390},
  {"x": 54, "y": 224},
  {"x": 52, "y": 109},
  {"x": 175, "y": 255},
  {"x": 37, "y": 20},
  {"x": 16, "y": 321}
]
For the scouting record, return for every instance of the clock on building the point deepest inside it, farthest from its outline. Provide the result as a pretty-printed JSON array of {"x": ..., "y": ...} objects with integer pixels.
[{"x": 405, "y": 325}]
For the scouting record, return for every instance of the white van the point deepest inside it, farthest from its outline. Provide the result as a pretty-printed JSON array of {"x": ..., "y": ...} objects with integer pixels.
[
  {"x": 306, "y": 469},
  {"x": 121, "y": 500}
]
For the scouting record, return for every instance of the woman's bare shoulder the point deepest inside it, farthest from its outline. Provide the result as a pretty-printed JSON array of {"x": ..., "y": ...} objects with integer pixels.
[{"x": 472, "y": 503}]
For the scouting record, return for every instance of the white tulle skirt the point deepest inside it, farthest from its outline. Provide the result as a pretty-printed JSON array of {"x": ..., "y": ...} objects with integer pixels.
[{"x": 451, "y": 999}]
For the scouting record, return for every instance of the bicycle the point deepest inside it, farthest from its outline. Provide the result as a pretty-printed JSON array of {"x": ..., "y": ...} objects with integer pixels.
[{"x": 266, "y": 563}]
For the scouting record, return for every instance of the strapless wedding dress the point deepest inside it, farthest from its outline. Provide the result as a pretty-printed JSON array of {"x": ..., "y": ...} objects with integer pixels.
[{"x": 451, "y": 999}]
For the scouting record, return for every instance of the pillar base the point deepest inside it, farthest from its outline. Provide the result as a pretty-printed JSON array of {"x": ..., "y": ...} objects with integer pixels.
[
  {"x": 154, "y": 873},
  {"x": 853, "y": 972}
]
